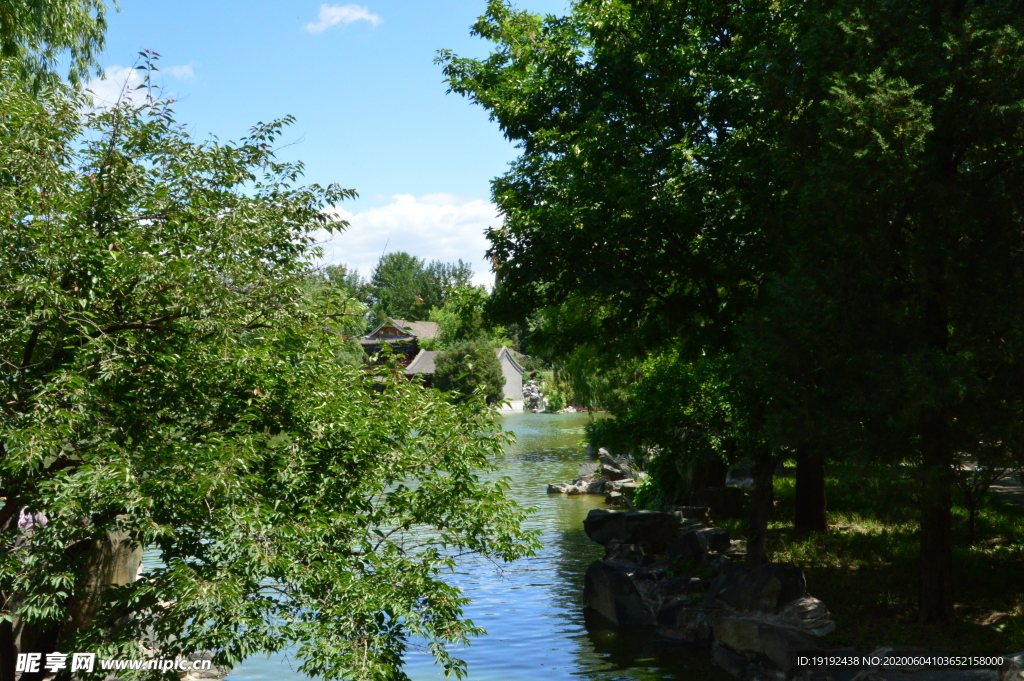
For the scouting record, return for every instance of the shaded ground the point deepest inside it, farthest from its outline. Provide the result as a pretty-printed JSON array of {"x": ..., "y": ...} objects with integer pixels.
[{"x": 865, "y": 568}]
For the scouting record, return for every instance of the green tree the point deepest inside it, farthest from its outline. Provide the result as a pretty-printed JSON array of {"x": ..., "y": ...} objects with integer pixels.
[
  {"x": 406, "y": 287},
  {"x": 469, "y": 369},
  {"x": 35, "y": 33},
  {"x": 826, "y": 194},
  {"x": 463, "y": 318},
  {"x": 170, "y": 382}
]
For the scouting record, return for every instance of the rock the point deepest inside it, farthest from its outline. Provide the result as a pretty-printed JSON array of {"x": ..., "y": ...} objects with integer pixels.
[
  {"x": 696, "y": 543},
  {"x": 557, "y": 489},
  {"x": 627, "y": 487},
  {"x": 605, "y": 457},
  {"x": 766, "y": 588},
  {"x": 781, "y": 645},
  {"x": 686, "y": 546},
  {"x": 608, "y": 588},
  {"x": 625, "y": 553},
  {"x": 616, "y": 499},
  {"x": 1013, "y": 668},
  {"x": 683, "y": 621},
  {"x": 715, "y": 539},
  {"x": 701, "y": 513},
  {"x": 810, "y": 615},
  {"x": 740, "y": 476},
  {"x": 595, "y": 487},
  {"x": 651, "y": 529},
  {"x": 613, "y": 472},
  {"x": 729, "y": 660},
  {"x": 588, "y": 469},
  {"x": 724, "y": 502}
]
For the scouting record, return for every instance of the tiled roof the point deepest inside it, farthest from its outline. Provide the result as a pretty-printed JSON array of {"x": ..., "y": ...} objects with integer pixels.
[{"x": 422, "y": 363}]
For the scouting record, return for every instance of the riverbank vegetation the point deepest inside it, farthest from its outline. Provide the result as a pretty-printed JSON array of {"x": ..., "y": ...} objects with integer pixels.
[
  {"x": 177, "y": 376},
  {"x": 778, "y": 231}
]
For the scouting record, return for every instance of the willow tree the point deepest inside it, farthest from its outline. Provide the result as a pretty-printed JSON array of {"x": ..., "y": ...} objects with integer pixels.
[
  {"x": 827, "y": 193},
  {"x": 171, "y": 381}
]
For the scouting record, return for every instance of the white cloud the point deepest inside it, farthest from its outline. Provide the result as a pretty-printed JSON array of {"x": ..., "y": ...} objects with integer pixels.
[
  {"x": 331, "y": 15},
  {"x": 183, "y": 71},
  {"x": 433, "y": 227},
  {"x": 118, "y": 83}
]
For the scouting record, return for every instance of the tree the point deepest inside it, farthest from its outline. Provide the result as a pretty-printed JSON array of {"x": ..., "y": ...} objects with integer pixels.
[
  {"x": 824, "y": 193},
  {"x": 406, "y": 287},
  {"x": 469, "y": 369},
  {"x": 463, "y": 318},
  {"x": 34, "y": 34},
  {"x": 170, "y": 382}
]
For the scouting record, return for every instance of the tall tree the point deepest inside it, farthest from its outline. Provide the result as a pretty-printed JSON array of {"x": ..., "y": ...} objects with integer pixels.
[
  {"x": 406, "y": 287},
  {"x": 170, "y": 381},
  {"x": 825, "y": 192}
]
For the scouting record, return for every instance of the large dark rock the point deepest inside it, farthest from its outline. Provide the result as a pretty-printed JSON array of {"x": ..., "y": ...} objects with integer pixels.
[
  {"x": 729, "y": 660},
  {"x": 609, "y": 589},
  {"x": 724, "y": 502},
  {"x": 650, "y": 529},
  {"x": 767, "y": 588},
  {"x": 686, "y": 546},
  {"x": 684, "y": 621},
  {"x": 695, "y": 544},
  {"x": 754, "y": 638},
  {"x": 1013, "y": 668},
  {"x": 701, "y": 513}
]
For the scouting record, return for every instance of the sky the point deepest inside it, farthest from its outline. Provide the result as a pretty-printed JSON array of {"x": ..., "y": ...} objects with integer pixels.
[{"x": 370, "y": 105}]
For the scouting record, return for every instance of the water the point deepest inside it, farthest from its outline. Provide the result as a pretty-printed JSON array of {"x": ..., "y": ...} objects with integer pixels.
[{"x": 532, "y": 609}]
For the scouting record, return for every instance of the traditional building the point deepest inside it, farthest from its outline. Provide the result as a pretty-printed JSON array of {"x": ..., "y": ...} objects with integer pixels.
[
  {"x": 403, "y": 337},
  {"x": 423, "y": 365}
]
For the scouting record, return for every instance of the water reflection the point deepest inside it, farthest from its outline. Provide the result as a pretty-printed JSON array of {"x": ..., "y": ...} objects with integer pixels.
[{"x": 532, "y": 609}]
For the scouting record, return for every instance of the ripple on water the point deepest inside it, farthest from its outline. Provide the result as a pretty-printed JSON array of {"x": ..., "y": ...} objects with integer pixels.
[{"x": 532, "y": 609}]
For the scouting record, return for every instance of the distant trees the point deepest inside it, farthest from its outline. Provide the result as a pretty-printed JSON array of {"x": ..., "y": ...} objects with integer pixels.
[{"x": 406, "y": 287}]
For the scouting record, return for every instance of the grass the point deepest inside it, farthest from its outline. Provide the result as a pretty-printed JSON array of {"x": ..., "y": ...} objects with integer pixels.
[{"x": 865, "y": 568}]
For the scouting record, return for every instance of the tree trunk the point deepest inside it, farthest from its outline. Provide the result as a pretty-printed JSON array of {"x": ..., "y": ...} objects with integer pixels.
[
  {"x": 935, "y": 604},
  {"x": 810, "y": 491},
  {"x": 109, "y": 562},
  {"x": 762, "y": 502}
]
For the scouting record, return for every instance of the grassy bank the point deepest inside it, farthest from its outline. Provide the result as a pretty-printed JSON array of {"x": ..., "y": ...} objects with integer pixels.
[{"x": 865, "y": 568}]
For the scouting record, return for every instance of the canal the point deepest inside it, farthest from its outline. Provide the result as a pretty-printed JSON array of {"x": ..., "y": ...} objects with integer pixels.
[{"x": 532, "y": 609}]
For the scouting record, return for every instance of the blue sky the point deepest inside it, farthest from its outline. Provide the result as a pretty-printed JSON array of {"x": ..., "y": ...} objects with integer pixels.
[{"x": 370, "y": 104}]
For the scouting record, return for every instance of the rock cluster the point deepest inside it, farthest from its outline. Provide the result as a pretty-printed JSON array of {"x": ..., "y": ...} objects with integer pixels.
[
  {"x": 617, "y": 477},
  {"x": 533, "y": 399},
  {"x": 677, "y": 572}
]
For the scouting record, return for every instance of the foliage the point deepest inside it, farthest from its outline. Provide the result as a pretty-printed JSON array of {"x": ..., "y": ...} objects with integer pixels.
[
  {"x": 555, "y": 400},
  {"x": 405, "y": 287},
  {"x": 824, "y": 194},
  {"x": 469, "y": 369},
  {"x": 170, "y": 374},
  {"x": 35, "y": 33},
  {"x": 462, "y": 319},
  {"x": 336, "y": 291}
]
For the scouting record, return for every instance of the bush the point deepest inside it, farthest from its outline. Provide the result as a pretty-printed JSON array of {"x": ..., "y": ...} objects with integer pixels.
[{"x": 469, "y": 367}]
